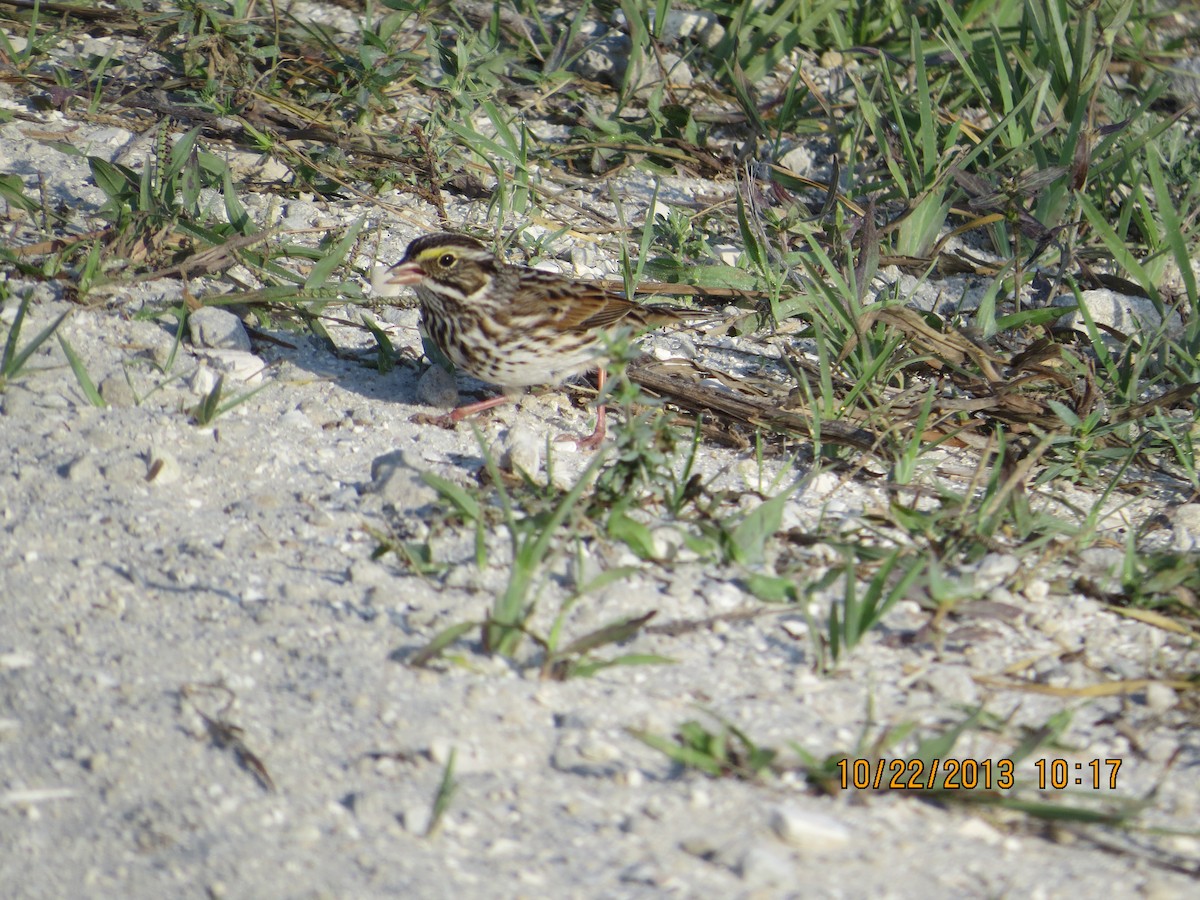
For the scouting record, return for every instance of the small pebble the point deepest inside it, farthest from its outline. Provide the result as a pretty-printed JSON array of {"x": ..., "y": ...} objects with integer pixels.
[
  {"x": 808, "y": 829},
  {"x": 437, "y": 388},
  {"x": 1160, "y": 697},
  {"x": 115, "y": 391},
  {"x": 763, "y": 867},
  {"x": 163, "y": 468},
  {"x": 520, "y": 450}
]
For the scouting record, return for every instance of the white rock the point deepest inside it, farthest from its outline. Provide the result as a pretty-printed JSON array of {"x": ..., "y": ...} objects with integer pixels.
[
  {"x": 16, "y": 659},
  {"x": 605, "y": 60},
  {"x": 415, "y": 818},
  {"x": 520, "y": 450},
  {"x": 953, "y": 683},
  {"x": 660, "y": 210},
  {"x": 163, "y": 467},
  {"x": 670, "y": 544},
  {"x": 256, "y": 166},
  {"x": 662, "y": 353},
  {"x": 678, "y": 73},
  {"x": 1160, "y": 697},
  {"x": 579, "y": 753},
  {"x": 806, "y": 828},
  {"x": 979, "y": 830},
  {"x": 82, "y": 470},
  {"x": 239, "y": 365},
  {"x": 503, "y": 847},
  {"x": 16, "y": 42},
  {"x": 832, "y": 59},
  {"x": 728, "y": 254},
  {"x": 586, "y": 261},
  {"x": 644, "y": 872},
  {"x": 115, "y": 391},
  {"x": 1037, "y": 591}
]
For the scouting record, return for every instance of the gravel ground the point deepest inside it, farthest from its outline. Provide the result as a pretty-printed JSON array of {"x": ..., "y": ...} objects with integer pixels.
[{"x": 202, "y": 679}]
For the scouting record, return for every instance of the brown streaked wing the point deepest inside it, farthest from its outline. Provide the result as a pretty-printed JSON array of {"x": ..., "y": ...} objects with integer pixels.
[
  {"x": 570, "y": 306},
  {"x": 599, "y": 309}
]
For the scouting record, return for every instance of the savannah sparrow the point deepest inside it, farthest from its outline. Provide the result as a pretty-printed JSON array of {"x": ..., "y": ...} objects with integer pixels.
[{"x": 514, "y": 326}]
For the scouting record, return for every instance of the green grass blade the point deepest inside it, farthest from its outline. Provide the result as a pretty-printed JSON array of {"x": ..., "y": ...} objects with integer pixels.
[
  {"x": 81, "y": 374},
  {"x": 14, "y": 360}
]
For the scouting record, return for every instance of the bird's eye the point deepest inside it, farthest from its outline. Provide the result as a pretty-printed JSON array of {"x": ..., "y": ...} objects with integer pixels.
[{"x": 446, "y": 261}]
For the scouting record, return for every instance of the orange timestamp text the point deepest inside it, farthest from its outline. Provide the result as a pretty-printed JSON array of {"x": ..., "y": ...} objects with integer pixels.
[
  {"x": 972, "y": 774},
  {"x": 926, "y": 774}
]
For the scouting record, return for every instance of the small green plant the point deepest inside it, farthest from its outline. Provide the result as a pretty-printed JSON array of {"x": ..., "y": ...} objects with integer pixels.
[
  {"x": 446, "y": 790},
  {"x": 385, "y": 357},
  {"x": 535, "y": 534},
  {"x": 214, "y": 404},
  {"x": 724, "y": 752},
  {"x": 853, "y": 616},
  {"x": 14, "y": 357},
  {"x": 920, "y": 170},
  {"x": 532, "y": 542},
  {"x": 575, "y": 660}
]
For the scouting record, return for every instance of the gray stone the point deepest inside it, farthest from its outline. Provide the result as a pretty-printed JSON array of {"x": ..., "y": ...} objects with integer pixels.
[
  {"x": 115, "y": 391},
  {"x": 801, "y": 159},
  {"x": 994, "y": 569},
  {"x": 581, "y": 753},
  {"x": 437, "y": 387},
  {"x": 19, "y": 402},
  {"x": 767, "y": 867},
  {"x": 82, "y": 470},
  {"x": 237, "y": 365},
  {"x": 1184, "y": 77},
  {"x": 1121, "y": 312},
  {"x": 702, "y": 27},
  {"x": 217, "y": 328},
  {"x": 1185, "y": 520},
  {"x": 605, "y": 60}
]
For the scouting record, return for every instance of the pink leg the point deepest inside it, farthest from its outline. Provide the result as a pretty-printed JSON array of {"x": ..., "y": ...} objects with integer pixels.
[
  {"x": 591, "y": 442},
  {"x": 471, "y": 408},
  {"x": 596, "y": 438},
  {"x": 452, "y": 418}
]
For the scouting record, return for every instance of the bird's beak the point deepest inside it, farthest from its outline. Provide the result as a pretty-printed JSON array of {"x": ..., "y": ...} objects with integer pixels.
[{"x": 405, "y": 273}]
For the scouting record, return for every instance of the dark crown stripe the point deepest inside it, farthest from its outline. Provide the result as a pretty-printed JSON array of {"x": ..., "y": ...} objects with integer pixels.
[{"x": 443, "y": 240}]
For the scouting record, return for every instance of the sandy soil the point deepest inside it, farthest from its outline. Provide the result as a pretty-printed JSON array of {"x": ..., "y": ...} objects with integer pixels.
[{"x": 203, "y": 687}]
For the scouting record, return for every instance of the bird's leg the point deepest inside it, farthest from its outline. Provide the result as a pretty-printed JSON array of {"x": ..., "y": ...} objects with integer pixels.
[
  {"x": 470, "y": 409},
  {"x": 593, "y": 440},
  {"x": 452, "y": 418}
]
